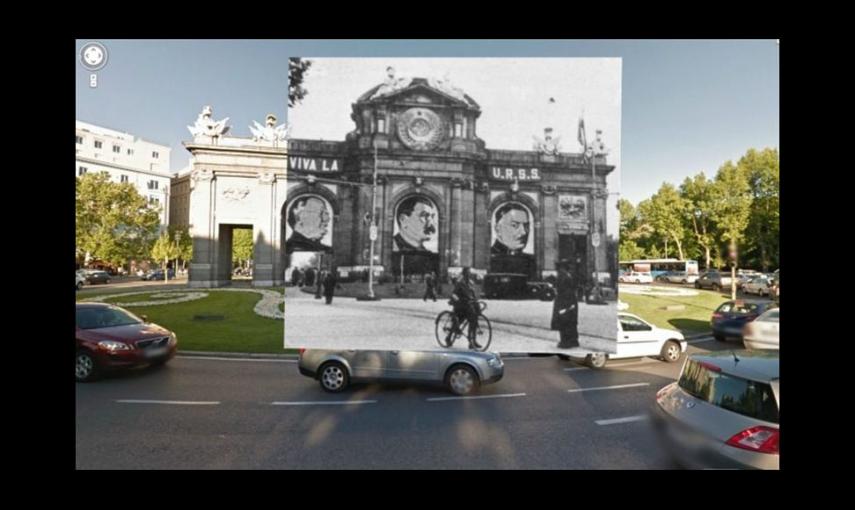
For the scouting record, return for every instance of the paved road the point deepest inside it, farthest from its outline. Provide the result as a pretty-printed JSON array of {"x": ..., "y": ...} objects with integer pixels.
[
  {"x": 409, "y": 324},
  {"x": 219, "y": 414}
]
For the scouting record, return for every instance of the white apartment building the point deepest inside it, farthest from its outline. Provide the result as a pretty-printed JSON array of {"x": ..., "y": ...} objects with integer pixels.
[{"x": 126, "y": 158}]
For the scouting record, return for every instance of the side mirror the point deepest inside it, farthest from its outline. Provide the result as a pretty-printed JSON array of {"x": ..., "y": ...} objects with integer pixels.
[{"x": 144, "y": 318}]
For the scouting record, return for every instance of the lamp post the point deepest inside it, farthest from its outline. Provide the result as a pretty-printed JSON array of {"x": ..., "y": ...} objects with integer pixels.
[
  {"x": 372, "y": 231},
  {"x": 597, "y": 291}
]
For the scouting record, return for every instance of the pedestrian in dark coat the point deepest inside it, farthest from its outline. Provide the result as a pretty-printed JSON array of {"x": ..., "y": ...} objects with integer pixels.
[
  {"x": 330, "y": 283},
  {"x": 430, "y": 287},
  {"x": 565, "y": 310}
]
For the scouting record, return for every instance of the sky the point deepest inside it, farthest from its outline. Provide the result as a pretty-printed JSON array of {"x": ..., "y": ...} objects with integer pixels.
[{"x": 687, "y": 106}]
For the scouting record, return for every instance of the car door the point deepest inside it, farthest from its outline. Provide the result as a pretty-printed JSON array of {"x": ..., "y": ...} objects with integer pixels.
[
  {"x": 412, "y": 365},
  {"x": 368, "y": 364},
  {"x": 636, "y": 337}
]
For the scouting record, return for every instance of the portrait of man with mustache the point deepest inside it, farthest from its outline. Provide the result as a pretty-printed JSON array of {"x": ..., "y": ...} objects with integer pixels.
[
  {"x": 309, "y": 219},
  {"x": 512, "y": 226},
  {"x": 416, "y": 222}
]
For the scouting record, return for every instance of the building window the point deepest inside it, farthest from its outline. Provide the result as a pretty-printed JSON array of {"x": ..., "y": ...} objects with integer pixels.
[
  {"x": 80, "y": 140},
  {"x": 381, "y": 125},
  {"x": 152, "y": 184},
  {"x": 123, "y": 178},
  {"x": 97, "y": 144},
  {"x": 81, "y": 170},
  {"x": 155, "y": 155},
  {"x": 154, "y": 200},
  {"x": 130, "y": 152},
  {"x": 117, "y": 149}
]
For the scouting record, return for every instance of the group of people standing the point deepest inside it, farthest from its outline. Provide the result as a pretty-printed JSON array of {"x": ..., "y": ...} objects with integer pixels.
[{"x": 326, "y": 282}]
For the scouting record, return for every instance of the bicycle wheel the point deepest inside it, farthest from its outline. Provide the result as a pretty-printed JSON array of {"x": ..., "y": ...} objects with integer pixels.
[
  {"x": 444, "y": 325},
  {"x": 483, "y": 333}
]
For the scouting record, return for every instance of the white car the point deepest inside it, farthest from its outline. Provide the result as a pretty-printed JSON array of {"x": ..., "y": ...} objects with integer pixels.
[
  {"x": 758, "y": 285},
  {"x": 638, "y": 338},
  {"x": 81, "y": 280},
  {"x": 763, "y": 333},
  {"x": 633, "y": 277},
  {"x": 681, "y": 277}
]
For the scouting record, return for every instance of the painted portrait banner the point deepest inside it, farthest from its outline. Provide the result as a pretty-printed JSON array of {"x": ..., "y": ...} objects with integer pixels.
[
  {"x": 309, "y": 224},
  {"x": 416, "y": 226}
]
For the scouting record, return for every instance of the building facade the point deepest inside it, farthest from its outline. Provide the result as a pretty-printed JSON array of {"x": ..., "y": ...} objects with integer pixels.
[
  {"x": 128, "y": 159},
  {"x": 412, "y": 177},
  {"x": 442, "y": 199}
]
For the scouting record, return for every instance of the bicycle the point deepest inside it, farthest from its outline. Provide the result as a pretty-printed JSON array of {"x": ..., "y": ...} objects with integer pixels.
[{"x": 445, "y": 329}]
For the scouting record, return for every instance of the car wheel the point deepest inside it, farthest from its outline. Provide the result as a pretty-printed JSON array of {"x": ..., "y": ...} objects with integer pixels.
[
  {"x": 596, "y": 360},
  {"x": 563, "y": 357},
  {"x": 671, "y": 351},
  {"x": 79, "y": 285},
  {"x": 462, "y": 380},
  {"x": 333, "y": 377},
  {"x": 716, "y": 287},
  {"x": 86, "y": 368},
  {"x": 720, "y": 338},
  {"x": 549, "y": 295},
  {"x": 697, "y": 285}
]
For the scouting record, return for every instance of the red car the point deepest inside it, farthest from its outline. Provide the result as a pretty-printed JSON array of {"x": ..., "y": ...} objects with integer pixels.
[{"x": 109, "y": 338}]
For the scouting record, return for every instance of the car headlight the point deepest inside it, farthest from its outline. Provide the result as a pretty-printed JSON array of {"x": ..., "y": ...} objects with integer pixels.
[
  {"x": 173, "y": 339},
  {"x": 112, "y": 346},
  {"x": 494, "y": 362}
]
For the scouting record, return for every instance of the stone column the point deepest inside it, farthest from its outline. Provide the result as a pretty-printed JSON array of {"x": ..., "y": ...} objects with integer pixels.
[
  {"x": 549, "y": 228},
  {"x": 455, "y": 258},
  {"x": 482, "y": 228},
  {"x": 466, "y": 224},
  {"x": 264, "y": 225},
  {"x": 202, "y": 229}
]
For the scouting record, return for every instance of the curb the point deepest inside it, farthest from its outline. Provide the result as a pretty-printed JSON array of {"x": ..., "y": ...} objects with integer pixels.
[{"x": 255, "y": 355}]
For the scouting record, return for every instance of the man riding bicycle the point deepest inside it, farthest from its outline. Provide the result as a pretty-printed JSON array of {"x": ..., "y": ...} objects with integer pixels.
[{"x": 465, "y": 302}]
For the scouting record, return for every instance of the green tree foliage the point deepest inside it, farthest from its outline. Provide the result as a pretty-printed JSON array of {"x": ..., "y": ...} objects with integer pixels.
[
  {"x": 732, "y": 208},
  {"x": 164, "y": 250},
  {"x": 697, "y": 193},
  {"x": 666, "y": 212},
  {"x": 242, "y": 245},
  {"x": 297, "y": 70},
  {"x": 114, "y": 223},
  {"x": 763, "y": 172}
]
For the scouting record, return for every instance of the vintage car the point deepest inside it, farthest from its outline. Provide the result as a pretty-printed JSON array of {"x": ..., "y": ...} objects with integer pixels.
[{"x": 515, "y": 286}]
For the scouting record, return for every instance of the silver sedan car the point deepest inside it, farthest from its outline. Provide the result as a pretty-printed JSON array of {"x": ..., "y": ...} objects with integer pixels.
[
  {"x": 722, "y": 412},
  {"x": 461, "y": 372}
]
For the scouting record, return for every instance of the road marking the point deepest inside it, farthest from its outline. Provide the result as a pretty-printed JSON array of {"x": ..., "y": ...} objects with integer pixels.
[
  {"x": 172, "y": 402},
  {"x": 478, "y": 397},
  {"x": 615, "y": 421},
  {"x": 619, "y": 386},
  {"x": 241, "y": 359},
  {"x": 324, "y": 403},
  {"x": 573, "y": 369}
]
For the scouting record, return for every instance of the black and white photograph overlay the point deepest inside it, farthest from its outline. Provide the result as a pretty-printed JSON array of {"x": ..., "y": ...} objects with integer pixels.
[{"x": 453, "y": 203}]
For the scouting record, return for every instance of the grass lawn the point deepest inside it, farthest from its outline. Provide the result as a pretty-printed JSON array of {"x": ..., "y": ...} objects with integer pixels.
[
  {"x": 223, "y": 322},
  {"x": 694, "y": 318}
]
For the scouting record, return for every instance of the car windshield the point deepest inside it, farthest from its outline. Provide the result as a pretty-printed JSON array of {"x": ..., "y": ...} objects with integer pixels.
[
  {"x": 738, "y": 308},
  {"x": 770, "y": 316},
  {"x": 748, "y": 398},
  {"x": 106, "y": 317}
]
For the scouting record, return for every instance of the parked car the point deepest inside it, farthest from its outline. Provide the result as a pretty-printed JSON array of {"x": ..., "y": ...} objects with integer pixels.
[
  {"x": 635, "y": 277},
  {"x": 775, "y": 286},
  {"x": 81, "y": 280},
  {"x": 663, "y": 277},
  {"x": 109, "y": 338},
  {"x": 94, "y": 277},
  {"x": 763, "y": 332},
  {"x": 758, "y": 285},
  {"x": 723, "y": 411},
  {"x": 462, "y": 372},
  {"x": 157, "y": 274},
  {"x": 681, "y": 277},
  {"x": 730, "y": 317},
  {"x": 714, "y": 280},
  {"x": 638, "y": 338},
  {"x": 515, "y": 286}
]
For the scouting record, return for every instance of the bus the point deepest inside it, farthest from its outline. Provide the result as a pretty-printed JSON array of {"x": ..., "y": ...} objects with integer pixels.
[{"x": 658, "y": 266}]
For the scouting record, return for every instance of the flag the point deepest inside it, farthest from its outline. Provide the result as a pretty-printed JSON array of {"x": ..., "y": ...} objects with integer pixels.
[{"x": 582, "y": 140}]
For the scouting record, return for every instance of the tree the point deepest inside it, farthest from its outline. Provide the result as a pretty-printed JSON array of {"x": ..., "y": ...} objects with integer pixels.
[
  {"x": 164, "y": 250},
  {"x": 184, "y": 241},
  {"x": 635, "y": 233},
  {"x": 297, "y": 70},
  {"x": 697, "y": 192},
  {"x": 242, "y": 245},
  {"x": 762, "y": 169},
  {"x": 114, "y": 222},
  {"x": 731, "y": 203},
  {"x": 665, "y": 211}
]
